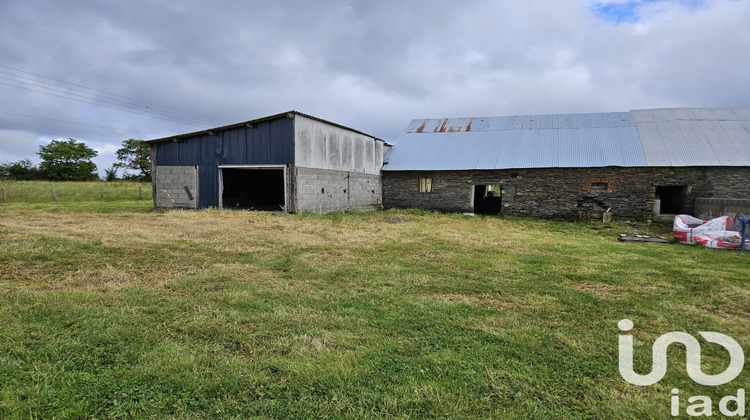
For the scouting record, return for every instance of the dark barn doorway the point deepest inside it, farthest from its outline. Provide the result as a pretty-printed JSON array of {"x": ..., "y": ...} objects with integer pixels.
[
  {"x": 253, "y": 188},
  {"x": 487, "y": 199},
  {"x": 673, "y": 199}
]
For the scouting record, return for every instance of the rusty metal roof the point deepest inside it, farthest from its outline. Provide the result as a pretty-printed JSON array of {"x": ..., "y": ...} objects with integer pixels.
[{"x": 671, "y": 137}]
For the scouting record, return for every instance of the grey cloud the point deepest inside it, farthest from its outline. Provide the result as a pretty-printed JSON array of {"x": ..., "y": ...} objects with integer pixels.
[{"x": 370, "y": 65}]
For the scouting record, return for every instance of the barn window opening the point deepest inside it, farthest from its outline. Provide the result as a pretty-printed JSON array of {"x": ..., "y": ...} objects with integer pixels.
[
  {"x": 673, "y": 199},
  {"x": 253, "y": 188},
  {"x": 599, "y": 186},
  {"x": 425, "y": 185}
]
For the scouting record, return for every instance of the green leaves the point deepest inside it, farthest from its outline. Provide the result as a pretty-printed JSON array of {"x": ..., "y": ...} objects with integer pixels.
[
  {"x": 67, "y": 161},
  {"x": 136, "y": 155},
  {"x": 23, "y": 170}
]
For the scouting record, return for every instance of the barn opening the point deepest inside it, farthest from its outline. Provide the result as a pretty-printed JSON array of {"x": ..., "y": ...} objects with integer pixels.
[
  {"x": 487, "y": 199},
  {"x": 673, "y": 199},
  {"x": 253, "y": 188}
]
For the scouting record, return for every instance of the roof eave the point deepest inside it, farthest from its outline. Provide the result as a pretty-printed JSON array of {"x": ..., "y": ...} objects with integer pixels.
[{"x": 288, "y": 114}]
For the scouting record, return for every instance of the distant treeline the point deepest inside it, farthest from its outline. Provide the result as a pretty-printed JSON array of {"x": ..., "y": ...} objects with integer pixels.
[
  {"x": 23, "y": 170},
  {"x": 71, "y": 161}
]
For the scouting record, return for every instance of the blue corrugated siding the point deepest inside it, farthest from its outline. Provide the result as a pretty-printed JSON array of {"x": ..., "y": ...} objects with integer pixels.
[
  {"x": 268, "y": 143},
  {"x": 208, "y": 186}
]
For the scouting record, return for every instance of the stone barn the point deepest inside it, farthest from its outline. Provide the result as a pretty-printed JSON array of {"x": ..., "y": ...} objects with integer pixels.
[
  {"x": 633, "y": 164},
  {"x": 286, "y": 162}
]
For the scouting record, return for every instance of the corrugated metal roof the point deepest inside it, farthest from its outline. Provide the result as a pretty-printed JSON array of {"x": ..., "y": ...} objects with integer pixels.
[
  {"x": 530, "y": 141},
  {"x": 695, "y": 136},
  {"x": 657, "y": 137},
  {"x": 289, "y": 114},
  {"x": 520, "y": 122}
]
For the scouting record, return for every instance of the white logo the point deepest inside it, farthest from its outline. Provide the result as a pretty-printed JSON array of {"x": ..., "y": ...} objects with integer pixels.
[{"x": 693, "y": 356}]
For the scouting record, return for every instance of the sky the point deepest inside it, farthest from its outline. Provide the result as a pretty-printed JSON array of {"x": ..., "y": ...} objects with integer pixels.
[{"x": 105, "y": 71}]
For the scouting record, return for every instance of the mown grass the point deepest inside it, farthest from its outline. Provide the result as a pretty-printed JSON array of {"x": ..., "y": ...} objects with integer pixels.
[
  {"x": 112, "y": 312},
  {"x": 67, "y": 191}
]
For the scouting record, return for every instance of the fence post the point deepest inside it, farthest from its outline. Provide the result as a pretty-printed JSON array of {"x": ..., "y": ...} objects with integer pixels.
[
  {"x": 140, "y": 193},
  {"x": 54, "y": 192},
  {"x": 101, "y": 192},
  {"x": 5, "y": 198}
]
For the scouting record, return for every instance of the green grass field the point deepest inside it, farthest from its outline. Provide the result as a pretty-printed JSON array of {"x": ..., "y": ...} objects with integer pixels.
[
  {"x": 41, "y": 191},
  {"x": 108, "y": 311}
]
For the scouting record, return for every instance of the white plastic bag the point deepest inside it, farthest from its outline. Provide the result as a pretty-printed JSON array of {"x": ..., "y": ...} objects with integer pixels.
[
  {"x": 686, "y": 227},
  {"x": 720, "y": 239}
]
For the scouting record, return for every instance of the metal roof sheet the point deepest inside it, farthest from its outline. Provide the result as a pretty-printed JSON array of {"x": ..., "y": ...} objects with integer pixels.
[
  {"x": 519, "y": 122},
  {"x": 695, "y": 136},
  {"x": 530, "y": 141},
  {"x": 655, "y": 137}
]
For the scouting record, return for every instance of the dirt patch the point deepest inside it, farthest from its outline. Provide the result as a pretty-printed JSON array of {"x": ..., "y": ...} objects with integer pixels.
[
  {"x": 485, "y": 301},
  {"x": 595, "y": 287},
  {"x": 108, "y": 276},
  {"x": 429, "y": 255}
]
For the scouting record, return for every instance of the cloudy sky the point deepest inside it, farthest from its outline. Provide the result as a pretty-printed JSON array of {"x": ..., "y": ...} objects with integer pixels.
[{"x": 105, "y": 71}]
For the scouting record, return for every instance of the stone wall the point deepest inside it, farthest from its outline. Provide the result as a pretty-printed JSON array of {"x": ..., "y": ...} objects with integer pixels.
[
  {"x": 564, "y": 192},
  {"x": 325, "y": 190},
  {"x": 176, "y": 186}
]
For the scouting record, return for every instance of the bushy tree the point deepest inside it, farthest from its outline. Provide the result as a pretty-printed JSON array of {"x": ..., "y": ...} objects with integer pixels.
[
  {"x": 67, "y": 161},
  {"x": 23, "y": 170},
  {"x": 110, "y": 174},
  {"x": 136, "y": 155}
]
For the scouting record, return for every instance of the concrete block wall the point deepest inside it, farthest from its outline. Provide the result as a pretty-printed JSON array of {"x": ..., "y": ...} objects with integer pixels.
[
  {"x": 326, "y": 190},
  {"x": 709, "y": 208},
  {"x": 170, "y": 183},
  {"x": 564, "y": 192}
]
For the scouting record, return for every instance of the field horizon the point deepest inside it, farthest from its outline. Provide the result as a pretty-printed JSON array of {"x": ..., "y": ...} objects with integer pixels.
[{"x": 67, "y": 191}]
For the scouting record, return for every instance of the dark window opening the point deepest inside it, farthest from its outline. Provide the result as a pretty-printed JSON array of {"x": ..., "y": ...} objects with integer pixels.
[
  {"x": 673, "y": 199},
  {"x": 599, "y": 186},
  {"x": 487, "y": 199},
  {"x": 253, "y": 189}
]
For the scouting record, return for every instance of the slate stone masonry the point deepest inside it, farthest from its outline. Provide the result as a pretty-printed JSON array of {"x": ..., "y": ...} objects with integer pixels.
[{"x": 564, "y": 192}]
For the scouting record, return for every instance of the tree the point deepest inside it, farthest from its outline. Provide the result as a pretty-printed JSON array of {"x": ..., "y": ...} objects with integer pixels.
[
  {"x": 110, "y": 174},
  {"x": 67, "y": 161},
  {"x": 23, "y": 170},
  {"x": 136, "y": 155}
]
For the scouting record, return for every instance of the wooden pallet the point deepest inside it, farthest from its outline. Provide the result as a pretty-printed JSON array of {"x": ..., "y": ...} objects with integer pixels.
[{"x": 643, "y": 238}]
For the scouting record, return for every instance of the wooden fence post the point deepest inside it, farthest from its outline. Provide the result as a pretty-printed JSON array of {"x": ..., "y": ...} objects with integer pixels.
[
  {"x": 5, "y": 198},
  {"x": 54, "y": 192},
  {"x": 101, "y": 192},
  {"x": 140, "y": 193}
]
